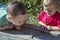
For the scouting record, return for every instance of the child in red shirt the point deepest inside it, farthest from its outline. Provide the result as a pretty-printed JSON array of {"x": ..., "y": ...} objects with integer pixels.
[{"x": 50, "y": 17}]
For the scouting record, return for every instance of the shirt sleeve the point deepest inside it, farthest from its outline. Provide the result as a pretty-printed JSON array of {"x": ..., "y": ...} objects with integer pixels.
[
  {"x": 3, "y": 21},
  {"x": 58, "y": 24},
  {"x": 40, "y": 16}
]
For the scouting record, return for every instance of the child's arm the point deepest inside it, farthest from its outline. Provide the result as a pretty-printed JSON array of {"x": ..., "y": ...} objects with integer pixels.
[
  {"x": 6, "y": 27},
  {"x": 41, "y": 23},
  {"x": 49, "y": 27},
  {"x": 53, "y": 28}
]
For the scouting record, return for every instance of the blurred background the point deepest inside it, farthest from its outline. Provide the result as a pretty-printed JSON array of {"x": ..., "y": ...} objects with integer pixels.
[{"x": 33, "y": 9}]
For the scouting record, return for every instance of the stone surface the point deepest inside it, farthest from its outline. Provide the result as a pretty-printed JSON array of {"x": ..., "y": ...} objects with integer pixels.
[{"x": 29, "y": 33}]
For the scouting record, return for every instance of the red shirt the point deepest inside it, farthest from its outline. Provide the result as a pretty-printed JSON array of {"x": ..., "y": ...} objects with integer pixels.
[{"x": 53, "y": 20}]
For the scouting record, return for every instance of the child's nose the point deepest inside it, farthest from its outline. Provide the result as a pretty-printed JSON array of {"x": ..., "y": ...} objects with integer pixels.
[
  {"x": 19, "y": 22},
  {"x": 46, "y": 8}
]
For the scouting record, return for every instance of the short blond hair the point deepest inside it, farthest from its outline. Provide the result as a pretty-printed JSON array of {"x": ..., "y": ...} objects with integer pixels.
[{"x": 54, "y": 2}]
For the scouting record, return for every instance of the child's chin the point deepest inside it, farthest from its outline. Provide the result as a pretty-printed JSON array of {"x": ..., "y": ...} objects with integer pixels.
[
  {"x": 18, "y": 25},
  {"x": 49, "y": 14}
]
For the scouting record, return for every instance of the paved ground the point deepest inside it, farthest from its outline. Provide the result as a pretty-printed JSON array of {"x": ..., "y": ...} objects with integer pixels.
[{"x": 29, "y": 34}]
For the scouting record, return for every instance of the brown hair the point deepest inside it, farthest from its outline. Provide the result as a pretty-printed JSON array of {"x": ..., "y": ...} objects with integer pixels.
[{"x": 16, "y": 8}]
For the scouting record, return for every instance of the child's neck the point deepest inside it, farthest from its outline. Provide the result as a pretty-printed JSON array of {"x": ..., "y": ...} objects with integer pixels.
[{"x": 51, "y": 14}]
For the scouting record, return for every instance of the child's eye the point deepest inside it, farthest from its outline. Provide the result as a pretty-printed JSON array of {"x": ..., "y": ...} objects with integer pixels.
[{"x": 45, "y": 5}]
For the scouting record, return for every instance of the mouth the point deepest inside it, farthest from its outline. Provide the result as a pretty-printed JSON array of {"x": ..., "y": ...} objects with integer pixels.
[{"x": 48, "y": 11}]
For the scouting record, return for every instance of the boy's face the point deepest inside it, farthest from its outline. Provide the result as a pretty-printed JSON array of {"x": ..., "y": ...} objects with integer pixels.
[
  {"x": 49, "y": 8},
  {"x": 19, "y": 20}
]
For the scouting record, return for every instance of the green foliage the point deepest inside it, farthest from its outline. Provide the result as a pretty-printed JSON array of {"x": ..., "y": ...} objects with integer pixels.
[
  {"x": 34, "y": 6},
  {"x": 33, "y": 9},
  {"x": 5, "y": 1}
]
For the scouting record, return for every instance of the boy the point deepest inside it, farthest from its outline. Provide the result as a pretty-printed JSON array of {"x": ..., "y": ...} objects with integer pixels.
[
  {"x": 49, "y": 18},
  {"x": 16, "y": 15}
]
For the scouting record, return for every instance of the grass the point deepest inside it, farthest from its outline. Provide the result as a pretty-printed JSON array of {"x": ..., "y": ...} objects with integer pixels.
[{"x": 32, "y": 19}]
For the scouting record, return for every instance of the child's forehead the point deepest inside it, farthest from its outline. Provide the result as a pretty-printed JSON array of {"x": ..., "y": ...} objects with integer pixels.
[
  {"x": 20, "y": 17},
  {"x": 47, "y": 2}
]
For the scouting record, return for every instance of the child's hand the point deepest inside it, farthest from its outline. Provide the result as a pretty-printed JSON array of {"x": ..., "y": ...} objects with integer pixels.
[
  {"x": 6, "y": 27},
  {"x": 43, "y": 27},
  {"x": 53, "y": 28},
  {"x": 49, "y": 28}
]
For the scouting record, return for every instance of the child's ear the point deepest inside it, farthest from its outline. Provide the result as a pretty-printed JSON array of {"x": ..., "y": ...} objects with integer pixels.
[{"x": 9, "y": 18}]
